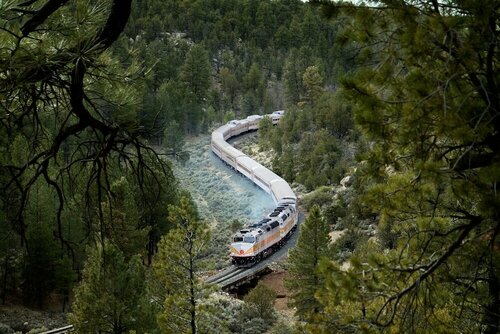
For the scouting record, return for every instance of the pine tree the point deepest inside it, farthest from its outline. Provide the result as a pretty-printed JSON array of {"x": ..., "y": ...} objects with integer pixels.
[
  {"x": 175, "y": 268},
  {"x": 111, "y": 297},
  {"x": 229, "y": 87},
  {"x": 313, "y": 84},
  {"x": 305, "y": 279},
  {"x": 195, "y": 73},
  {"x": 173, "y": 139},
  {"x": 72, "y": 108},
  {"x": 427, "y": 98},
  {"x": 265, "y": 131}
]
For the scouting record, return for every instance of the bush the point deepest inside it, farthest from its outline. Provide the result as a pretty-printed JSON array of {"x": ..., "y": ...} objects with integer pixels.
[
  {"x": 219, "y": 313},
  {"x": 347, "y": 243},
  {"x": 320, "y": 197},
  {"x": 261, "y": 301},
  {"x": 281, "y": 328},
  {"x": 336, "y": 211},
  {"x": 4, "y": 329}
]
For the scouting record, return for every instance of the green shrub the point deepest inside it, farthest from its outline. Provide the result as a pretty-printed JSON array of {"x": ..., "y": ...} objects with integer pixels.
[
  {"x": 320, "y": 197},
  {"x": 4, "y": 329}
]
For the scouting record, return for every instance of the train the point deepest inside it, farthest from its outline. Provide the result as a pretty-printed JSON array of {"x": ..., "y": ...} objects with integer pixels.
[{"x": 260, "y": 239}]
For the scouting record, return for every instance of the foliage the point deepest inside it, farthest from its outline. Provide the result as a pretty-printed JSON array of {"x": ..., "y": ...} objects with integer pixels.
[
  {"x": 236, "y": 225},
  {"x": 69, "y": 134},
  {"x": 111, "y": 297},
  {"x": 240, "y": 53},
  {"x": 81, "y": 104},
  {"x": 320, "y": 197},
  {"x": 315, "y": 143},
  {"x": 175, "y": 281},
  {"x": 45, "y": 268},
  {"x": 313, "y": 84},
  {"x": 265, "y": 128},
  {"x": 426, "y": 96},
  {"x": 281, "y": 327},
  {"x": 348, "y": 242},
  {"x": 195, "y": 72},
  {"x": 4, "y": 329},
  {"x": 224, "y": 314},
  {"x": 305, "y": 279},
  {"x": 174, "y": 141},
  {"x": 217, "y": 313},
  {"x": 261, "y": 301}
]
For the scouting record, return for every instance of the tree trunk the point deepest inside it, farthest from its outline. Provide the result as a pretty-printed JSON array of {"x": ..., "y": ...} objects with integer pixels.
[{"x": 192, "y": 296}]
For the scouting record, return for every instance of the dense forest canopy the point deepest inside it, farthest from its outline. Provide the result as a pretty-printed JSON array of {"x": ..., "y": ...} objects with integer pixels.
[
  {"x": 426, "y": 97},
  {"x": 75, "y": 169},
  {"x": 246, "y": 57}
]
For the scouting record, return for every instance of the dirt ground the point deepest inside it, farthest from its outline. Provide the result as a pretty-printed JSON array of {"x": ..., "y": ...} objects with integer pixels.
[
  {"x": 275, "y": 281},
  {"x": 23, "y": 319}
]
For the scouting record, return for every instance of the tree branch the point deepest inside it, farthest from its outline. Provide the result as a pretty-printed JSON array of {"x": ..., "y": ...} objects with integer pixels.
[
  {"x": 41, "y": 15},
  {"x": 475, "y": 221}
]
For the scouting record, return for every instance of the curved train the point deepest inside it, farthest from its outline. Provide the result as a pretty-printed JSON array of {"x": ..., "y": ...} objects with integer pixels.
[{"x": 262, "y": 238}]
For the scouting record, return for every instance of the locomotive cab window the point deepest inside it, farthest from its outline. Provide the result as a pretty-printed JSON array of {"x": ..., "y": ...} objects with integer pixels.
[
  {"x": 238, "y": 239},
  {"x": 249, "y": 239}
]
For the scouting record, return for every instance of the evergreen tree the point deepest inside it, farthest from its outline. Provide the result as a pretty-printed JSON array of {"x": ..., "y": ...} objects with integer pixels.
[
  {"x": 265, "y": 131},
  {"x": 229, "y": 87},
  {"x": 46, "y": 265},
  {"x": 173, "y": 139},
  {"x": 305, "y": 279},
  {"x": 111, "y": 297},
  {"x": 293, "y": 71},
  {"x": 175, "y": 268},
  {"x": 427, "y": 98},
  {"x": 121, "y": 219},
  {"x": 195, "y": 73},
  {"x": 72, "y": 107},
  {"x": 313, "y": 84}
]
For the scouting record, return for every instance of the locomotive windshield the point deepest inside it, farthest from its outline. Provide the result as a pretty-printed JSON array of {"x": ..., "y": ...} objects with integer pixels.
[
  {"x": 249, "y": 239},
  {"x": 237, "y": 239}
]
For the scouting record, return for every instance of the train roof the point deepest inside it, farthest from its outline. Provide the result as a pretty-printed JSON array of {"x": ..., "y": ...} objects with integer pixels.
[
  {"x": 282, "y": 191},
  {"x": 230, "y": 150},
  {"x": 223, "y": 130},
  {"x": 217, "y": 137},
  {"x": 248, "y": 162},
  {"x": 254, "y": 117},
  {"x": 265, "y": 174}
]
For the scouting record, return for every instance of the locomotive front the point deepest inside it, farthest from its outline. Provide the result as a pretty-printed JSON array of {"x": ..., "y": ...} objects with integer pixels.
[{"x": 243, "y": 252}]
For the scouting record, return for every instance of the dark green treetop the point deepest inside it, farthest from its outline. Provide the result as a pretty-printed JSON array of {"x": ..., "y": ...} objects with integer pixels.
[{"x": 426, "y": 96}]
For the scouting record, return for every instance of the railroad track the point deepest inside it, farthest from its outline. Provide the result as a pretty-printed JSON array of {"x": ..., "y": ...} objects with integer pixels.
[
  {"x": 65, "y": 329},
  {"x": 224, "y": 275}
]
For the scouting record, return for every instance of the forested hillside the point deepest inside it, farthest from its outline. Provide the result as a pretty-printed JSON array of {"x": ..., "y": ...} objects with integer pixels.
[
  {"x": 424, "y": 95},
  {"x": 219, "y": 60}
]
